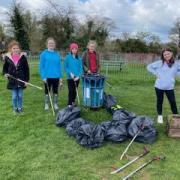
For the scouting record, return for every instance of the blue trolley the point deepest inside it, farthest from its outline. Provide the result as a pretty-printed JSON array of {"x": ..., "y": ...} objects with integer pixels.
[{"x": 93, "y": 89}]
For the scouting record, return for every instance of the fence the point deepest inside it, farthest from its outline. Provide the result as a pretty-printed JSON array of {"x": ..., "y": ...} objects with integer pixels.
[{"x": 121, "y": 66}]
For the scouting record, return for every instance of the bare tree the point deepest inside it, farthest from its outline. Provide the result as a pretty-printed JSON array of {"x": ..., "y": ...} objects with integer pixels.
[{"x": 174, "y": 34}]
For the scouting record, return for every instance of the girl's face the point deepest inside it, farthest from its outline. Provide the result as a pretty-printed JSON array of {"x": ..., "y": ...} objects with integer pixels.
[
  {"x": 167, "y": 55},
  {"x": 92, "y": 47},
  {"x": 15, "y": 49},
  {"x": 51, "y": 45},
  {"x": 74, "y": 51}
]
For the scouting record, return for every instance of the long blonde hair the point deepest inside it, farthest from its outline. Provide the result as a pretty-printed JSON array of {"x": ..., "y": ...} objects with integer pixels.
[
  {"x": 91, "y": 42},
  {"x": 13, "y": 43}
]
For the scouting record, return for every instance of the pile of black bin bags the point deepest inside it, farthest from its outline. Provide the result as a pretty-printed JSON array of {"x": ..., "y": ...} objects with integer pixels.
[{"x": 124, "y": 125}]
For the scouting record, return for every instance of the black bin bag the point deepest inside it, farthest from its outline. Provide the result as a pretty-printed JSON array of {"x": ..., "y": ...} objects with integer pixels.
[
  {"x": 109, "y": 101},
  {"x": 73, "y": 127},
  {"x": 143, "y": 125},
  {"x": 66, "y": 115},
  {"x": 90, "y": 135},
  {"x": 114, "y": 131},
  {"x": 123, "y": 116}
]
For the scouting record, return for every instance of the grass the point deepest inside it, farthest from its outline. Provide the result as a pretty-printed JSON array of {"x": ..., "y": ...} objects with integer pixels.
[{"x": 32, "y": 147}]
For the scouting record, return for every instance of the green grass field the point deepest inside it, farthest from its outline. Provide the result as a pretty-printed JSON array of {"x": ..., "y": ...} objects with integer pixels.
[{"x": 32, "y": 147}]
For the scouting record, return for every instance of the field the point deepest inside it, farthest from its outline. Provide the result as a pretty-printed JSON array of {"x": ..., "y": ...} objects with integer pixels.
[{"x": 32, "y": 147}]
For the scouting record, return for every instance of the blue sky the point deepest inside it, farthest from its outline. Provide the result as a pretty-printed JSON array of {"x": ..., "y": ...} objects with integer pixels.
[{"x": 156, "y": 16}]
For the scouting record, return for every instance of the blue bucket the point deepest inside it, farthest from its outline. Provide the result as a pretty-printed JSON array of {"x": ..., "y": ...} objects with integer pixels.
[{"x": 93, "y": 89}]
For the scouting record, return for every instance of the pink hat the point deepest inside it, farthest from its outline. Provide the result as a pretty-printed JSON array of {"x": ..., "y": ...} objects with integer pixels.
[{"x": 73, "y": 46}]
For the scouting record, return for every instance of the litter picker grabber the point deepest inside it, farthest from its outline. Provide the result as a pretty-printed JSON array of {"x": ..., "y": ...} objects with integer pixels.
[
  {"x": 40, "y": 88},
  {"x": 77, "y": 93},
  {"x": 146, "y": 151},
  {"x": 140, "y": 128},
  {"x": 156, "y": 158},
  {"x": 108, "y": 84},
  {"x": 50, "y": 99}
]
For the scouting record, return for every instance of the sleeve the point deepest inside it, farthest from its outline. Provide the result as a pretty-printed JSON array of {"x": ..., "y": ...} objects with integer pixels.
[
  {"x": 66, "y": 65},
  {"x": 42, "y": 66},
  {"x": 152, "y": 68},
  {"x": 5, "y": 67},
  {"x": 178, "y": 69},
  {"x": 26, "y": 66},
  {"x": 80, "y": 68},
  {"x": 60, "y": 67},
  {"x": 84, "y": 62},
  {"x": 98, "y": 63}
]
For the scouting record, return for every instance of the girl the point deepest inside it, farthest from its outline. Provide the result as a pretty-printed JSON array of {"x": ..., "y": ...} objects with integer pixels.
[
  {"x": 16, "y": 66},
  {"x": 50, "y": 71},
  {"x": 73, "y": 68},
  {"x": 165, "y": 71},
  {"x": 91, "y": 58}
]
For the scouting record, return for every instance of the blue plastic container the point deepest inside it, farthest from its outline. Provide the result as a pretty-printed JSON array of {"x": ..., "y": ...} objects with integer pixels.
[{"x": 93, "y": 89}]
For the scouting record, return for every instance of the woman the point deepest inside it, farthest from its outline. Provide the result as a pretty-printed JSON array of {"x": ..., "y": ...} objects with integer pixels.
[
  {"x": 16, "y": 67},
  {"x": 50, "y": 71},
  {"x": 73, "y": 68},
  {"x": 165, "y": 71},
  {"x": 91, "y": 59}
]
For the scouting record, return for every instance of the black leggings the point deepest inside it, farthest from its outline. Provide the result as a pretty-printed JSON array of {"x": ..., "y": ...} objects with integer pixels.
[
  {"x": 52, "y": 83},
  {"x": 171, "y": 98},
  {"x": 72, "y": 90}
]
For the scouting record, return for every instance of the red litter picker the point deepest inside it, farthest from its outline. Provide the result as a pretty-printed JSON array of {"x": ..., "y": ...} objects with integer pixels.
[
  {"x": 146, "y": 151},
  {"x": 156, "y": 158}
]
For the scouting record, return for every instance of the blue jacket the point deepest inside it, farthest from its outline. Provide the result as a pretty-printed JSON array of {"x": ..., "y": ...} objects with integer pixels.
[
  {"x": 50, "y": 64},
  {"x": 165, "y": 75},
  {"x": 73, "y": 65}
]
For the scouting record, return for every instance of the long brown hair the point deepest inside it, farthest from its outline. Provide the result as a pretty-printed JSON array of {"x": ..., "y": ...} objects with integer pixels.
[{"x": 171, "y": 62}]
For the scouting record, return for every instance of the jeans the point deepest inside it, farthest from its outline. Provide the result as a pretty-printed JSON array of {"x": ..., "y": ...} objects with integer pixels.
[{"x": 17, "y": 95}]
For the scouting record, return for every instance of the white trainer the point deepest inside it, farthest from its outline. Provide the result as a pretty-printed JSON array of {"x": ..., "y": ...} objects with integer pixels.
[{"x": 160, "y": 119}]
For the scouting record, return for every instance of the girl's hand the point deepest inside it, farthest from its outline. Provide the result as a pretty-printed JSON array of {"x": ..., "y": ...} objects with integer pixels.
[
  {"x": 72, "y": 75},
  {"x": 45, "y": 81},
  {"x": 60, "y": 82},
  {"x": 25, "y": 84},
  {"x": 6, "y": 75},
  {"x": 76, "y": 79},
  {"x": 89, "y": 72}
]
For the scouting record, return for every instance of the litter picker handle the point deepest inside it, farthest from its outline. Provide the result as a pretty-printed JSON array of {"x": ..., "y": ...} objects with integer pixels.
[{"x": 156, "y": 158}]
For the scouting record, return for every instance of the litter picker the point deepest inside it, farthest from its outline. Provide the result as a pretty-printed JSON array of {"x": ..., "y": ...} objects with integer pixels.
[
  {"x": 156, "y": 158},
  {"x": 140, "y": 128},
  {"x": 77, "y": 92},
  {"x": 146, "y": 151},
  {"x": 50, "y": 99},
  {"x": 40, "y": 88}
]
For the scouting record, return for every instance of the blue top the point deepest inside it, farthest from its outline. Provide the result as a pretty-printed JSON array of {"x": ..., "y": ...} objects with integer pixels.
[
  {"x": 50, "y": 64},
  {"x": 73, "y": 65},
  {"x": 165, "y": 75}
]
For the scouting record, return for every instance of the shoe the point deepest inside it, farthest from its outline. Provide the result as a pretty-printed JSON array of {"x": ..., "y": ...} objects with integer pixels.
[
  {"x": 15, "y": 111},
  {"x": 56, "y": 107},
  {"x": 46, "y": 107},
  {"x": 55, "y": 101},
  {"x": 70, "y": 107},
  {"x": 20, "y": 110},
  {"x": 73, "y": 104},
  {"x": 46, "y": 101},
  {"x": 160, "y": 119}
]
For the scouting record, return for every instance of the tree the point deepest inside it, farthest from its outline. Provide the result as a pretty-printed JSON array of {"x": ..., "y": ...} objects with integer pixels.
[
  {"x": 174, "y": 34},
  {"x": 33, "y": 30},
  {"x": 19, "y": 26},
  {"x": 2, "y": 33},
  {"x": 134, "y": 45},
  {"x": 94, "y": 28}
]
